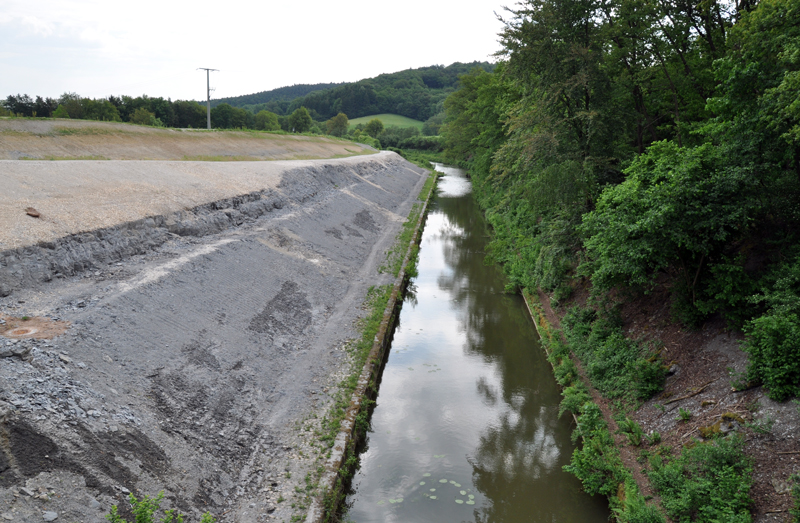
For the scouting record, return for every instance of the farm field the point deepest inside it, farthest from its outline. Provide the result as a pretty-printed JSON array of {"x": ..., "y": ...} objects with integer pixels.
[{"x": 388, "y": 120}]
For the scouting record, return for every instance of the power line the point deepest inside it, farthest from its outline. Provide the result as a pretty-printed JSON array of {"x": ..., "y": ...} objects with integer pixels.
[{"x": 208, "y": 94}]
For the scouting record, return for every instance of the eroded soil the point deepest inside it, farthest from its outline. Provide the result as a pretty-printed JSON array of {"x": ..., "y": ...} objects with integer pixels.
[{"x": 200, "y": 368}]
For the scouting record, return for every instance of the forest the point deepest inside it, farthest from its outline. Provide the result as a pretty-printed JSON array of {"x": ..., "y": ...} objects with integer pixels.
[
  {"x": 630, "y": 148},
  {"x": 637, "y": 144}
]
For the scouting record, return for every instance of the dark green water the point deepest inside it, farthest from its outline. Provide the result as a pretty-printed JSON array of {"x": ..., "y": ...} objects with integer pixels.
[{"x": 466, "y": 426}]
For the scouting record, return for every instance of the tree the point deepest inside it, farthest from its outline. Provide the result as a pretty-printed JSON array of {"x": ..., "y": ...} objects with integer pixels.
[
  {"x": 300, "y": 120},
  {"x": 337, "y": 126},
  {"x": 374, "y": 127},
  {"x": 142, "y": 116},
  {"x": 60, "y": 112},
  {"x": 267, "y": 121}
]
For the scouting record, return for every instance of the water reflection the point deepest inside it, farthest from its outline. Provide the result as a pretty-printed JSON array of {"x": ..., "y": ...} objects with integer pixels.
[{"x": 467, "y": 396}]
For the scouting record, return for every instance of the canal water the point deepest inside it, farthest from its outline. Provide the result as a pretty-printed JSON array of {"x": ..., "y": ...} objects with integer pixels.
[{"x": 466, "y": 425}]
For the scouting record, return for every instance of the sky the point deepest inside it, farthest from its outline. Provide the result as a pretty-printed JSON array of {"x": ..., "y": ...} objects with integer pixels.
[{"x": 98, "y": 48}]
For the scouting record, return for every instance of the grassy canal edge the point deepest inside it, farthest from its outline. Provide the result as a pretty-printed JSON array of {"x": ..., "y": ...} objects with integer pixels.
[
  {"x": 347, "y": 421},
  {"x": 708, "y": 481}
]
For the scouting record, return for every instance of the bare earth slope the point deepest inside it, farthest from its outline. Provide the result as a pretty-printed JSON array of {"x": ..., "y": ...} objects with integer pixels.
[
  {"x": 75, "y": 139},
  {"x": 186, "y": 367}
]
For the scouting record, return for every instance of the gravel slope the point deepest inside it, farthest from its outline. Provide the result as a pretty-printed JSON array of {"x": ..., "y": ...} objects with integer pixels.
[{"x": 190, "y": 368}]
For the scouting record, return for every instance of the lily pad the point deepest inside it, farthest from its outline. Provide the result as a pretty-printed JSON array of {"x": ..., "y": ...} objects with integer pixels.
[
  {"x": 433, "y": 497},
  {"x": 382, "y": 502},
  {"x": 458, "y": 485},
  {"x": 426, "y": 475},
  {"x": 433, "y": 490},
  {"x": 460, "y": 501},
  {"x": 421, "y": 482},
  {"x": 471, "y": 502},
  {"x": 471, "y": 496},
  {"x": 399, "y": 500},
  {"x": 463, "y": 492},
  {"x": 438, "y": 455},
  {"x": 442, "y": 481}
]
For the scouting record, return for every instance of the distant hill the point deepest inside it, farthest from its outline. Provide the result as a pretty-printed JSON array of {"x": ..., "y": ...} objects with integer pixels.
[
  {"x": 413, "y": 93},
  {"x": 282, "y": 93}
]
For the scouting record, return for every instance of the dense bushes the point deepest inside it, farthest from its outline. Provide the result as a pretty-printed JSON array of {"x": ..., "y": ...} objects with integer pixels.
[
  {"x": 708, "y": 482},
  {"x": 617, "y": 366},
  {"x": 616, "y": 145}
]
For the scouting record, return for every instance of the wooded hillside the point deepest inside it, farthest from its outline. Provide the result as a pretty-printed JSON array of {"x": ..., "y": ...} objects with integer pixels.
[{"x": 637, "y": 144}]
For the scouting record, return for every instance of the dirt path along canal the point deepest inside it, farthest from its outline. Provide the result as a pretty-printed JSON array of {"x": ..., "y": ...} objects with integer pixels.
[{"x": 466, "y": 424}]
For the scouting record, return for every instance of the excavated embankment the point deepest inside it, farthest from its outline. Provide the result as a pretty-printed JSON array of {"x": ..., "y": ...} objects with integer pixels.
[{"x": 200, "y": 342}]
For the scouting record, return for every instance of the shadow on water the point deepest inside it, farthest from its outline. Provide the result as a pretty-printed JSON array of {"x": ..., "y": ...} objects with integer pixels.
[{"x": 466, "y": 427}]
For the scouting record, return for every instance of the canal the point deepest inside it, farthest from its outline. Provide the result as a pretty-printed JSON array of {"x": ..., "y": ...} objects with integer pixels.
[{"x": 466, "y": 425}]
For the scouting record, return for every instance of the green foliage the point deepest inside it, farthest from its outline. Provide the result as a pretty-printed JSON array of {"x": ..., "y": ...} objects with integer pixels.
[
  {"x": 632, "y": 430},
  {"x": 374, "y": 127},
  {"x": 267, "y": 121},
  {"x": 708, "y": 482},
  {"x": 389, "y": 120},
  {"x": 300, "y": 120},
  {"x": 144, "y": 511},
  {"x": 61, "y": 112},
  {"x": 225, "y": 116},
  {"x": 773, "y": 339},
  {"x": 684, "y": 415},
  {"x": 653, "y": 438},
  {"x": 337, "y": 126},
  {"x": 676, "y": 209},
  {"x": 142, "y": 116},
  {"x": 795, "y": 510},
  {"x": 617, "y": 366}
]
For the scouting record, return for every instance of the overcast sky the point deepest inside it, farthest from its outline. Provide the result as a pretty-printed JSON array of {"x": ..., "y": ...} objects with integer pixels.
[{"x": 97, "y": 48}]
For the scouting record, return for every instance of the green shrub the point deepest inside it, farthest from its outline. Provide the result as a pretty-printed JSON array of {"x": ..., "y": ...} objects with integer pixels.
[
  {"x": 575, "y": 397},
  {"x": 708, "y": 482},
  {"x": 795, "y": 510},
  {"x": 635, "y": 509},
  {"x": 615, "y": 364},
  {"x": 631, "y": 429},
  {"x": 562, "y": 293},
  {"x": 773, "y": 339},
  {"x": 145, "y": 509}
]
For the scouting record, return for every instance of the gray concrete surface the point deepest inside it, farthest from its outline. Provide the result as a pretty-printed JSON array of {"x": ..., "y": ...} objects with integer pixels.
[{"x": 194, "y": 366}]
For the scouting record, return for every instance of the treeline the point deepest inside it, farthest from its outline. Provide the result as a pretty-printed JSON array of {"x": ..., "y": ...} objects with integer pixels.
[
  {"x": 289, "y": 93},
  {"x": 160, "y": 112},
  {"x": 648, "y": 144},
  {"x": 415, "y": 93}
]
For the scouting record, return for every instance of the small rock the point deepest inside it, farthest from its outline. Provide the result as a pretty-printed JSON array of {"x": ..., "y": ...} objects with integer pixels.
[
  {"x": 93, "y": 503},
  {"x": 65, "y": 359},
  {"x": 673, "y": 369},
  {"x": 50, "y": 515},
  {"x": 781, "y": 487},
  {"x": 30, "y": 211},
  {"x": 7, "y": 516},
  {"x": 107, "y": 358},
  {"x": 25, "y": 491},
  {"x": 81, "y": 304},
  {"x": 124, "y": 490}
]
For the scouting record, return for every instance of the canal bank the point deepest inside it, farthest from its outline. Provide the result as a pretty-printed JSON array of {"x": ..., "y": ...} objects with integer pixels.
[{"x": 467, "y": 421}]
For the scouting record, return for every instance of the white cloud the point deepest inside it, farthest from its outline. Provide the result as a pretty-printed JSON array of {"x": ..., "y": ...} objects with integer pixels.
[{"x": 99, "y": 48}]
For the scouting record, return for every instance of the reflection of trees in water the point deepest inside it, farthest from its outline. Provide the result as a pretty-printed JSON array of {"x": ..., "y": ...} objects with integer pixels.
[{"x": 516, "y": 456}]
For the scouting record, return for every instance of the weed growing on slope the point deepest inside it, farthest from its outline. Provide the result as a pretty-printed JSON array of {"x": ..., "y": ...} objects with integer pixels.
[
  {"x": 708, "y": 482},
  {"x": 145, "y": 509},
  {"x": 617, "y": 366},
  {"x": 395, "y": 256}
]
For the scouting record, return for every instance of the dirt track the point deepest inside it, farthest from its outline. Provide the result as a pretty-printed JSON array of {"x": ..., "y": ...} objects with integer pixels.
[{"x": 189, "y": 368}]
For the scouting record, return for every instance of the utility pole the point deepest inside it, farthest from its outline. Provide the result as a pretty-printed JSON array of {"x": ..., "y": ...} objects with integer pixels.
[{"x": 208, "y": 93}]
